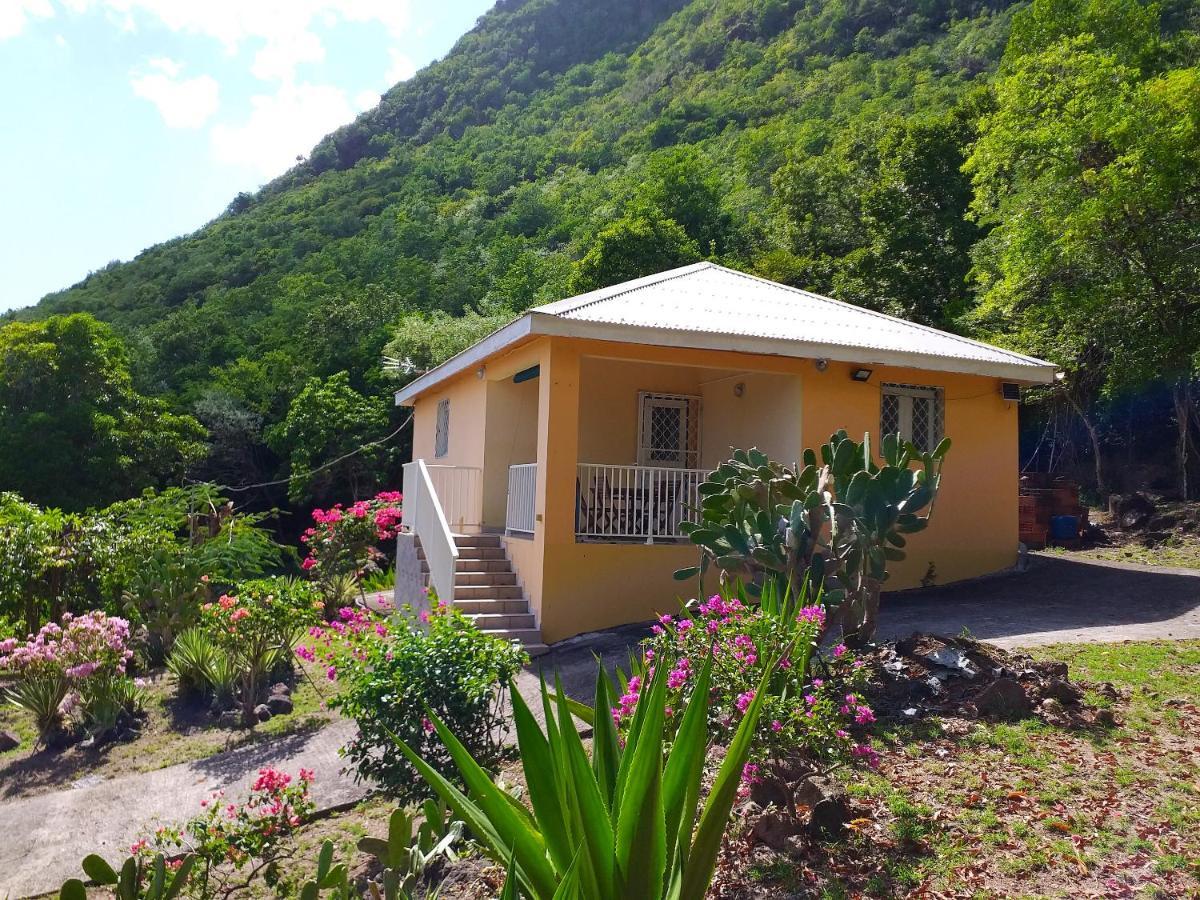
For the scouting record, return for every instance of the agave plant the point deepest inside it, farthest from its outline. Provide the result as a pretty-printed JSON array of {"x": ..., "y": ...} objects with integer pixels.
[
  {"x": 41, "y": 697},
  {"x": 625, "y": 824}
]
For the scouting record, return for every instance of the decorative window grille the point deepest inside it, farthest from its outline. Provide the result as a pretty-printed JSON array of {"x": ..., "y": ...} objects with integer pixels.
[
  {"x": 441, "y": 435},
  {"x": 668, "y": 430},
  {"x": 913, "y": 411}
]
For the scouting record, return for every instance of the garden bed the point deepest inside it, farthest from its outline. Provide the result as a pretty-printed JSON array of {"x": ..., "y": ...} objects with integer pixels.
[{"x": 173, "y": 730}]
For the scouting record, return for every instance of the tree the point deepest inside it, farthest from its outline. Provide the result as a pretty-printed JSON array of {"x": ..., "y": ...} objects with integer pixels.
[
  {"x": 73, "y": 431},
  {"x": 423, "y": 341},
  {"x": 640, "y": 243},
  {"x": 1089, "y": 171},
  {"x": 327, "y": 421}
]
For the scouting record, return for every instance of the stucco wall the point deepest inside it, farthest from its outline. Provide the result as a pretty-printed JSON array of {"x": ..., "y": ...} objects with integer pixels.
[{"x": 766, "y": 415}]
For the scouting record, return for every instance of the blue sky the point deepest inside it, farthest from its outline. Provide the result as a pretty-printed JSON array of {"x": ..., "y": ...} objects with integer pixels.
[{"x": 127, "y": 122}]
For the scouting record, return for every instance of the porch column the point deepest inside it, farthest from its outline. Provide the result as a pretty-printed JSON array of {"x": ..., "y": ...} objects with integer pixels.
[{"x": 558, "y": 454}]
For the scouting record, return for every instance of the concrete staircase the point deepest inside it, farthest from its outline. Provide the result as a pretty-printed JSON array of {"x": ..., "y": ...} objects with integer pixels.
[{"x": 486, "y": 590}]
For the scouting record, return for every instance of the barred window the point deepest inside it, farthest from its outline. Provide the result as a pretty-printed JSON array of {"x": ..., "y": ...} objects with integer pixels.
[
  {"x": 441, "y": 435},
  {"x": 669, "y": 430},
  {"x": 915, "y": 412}
]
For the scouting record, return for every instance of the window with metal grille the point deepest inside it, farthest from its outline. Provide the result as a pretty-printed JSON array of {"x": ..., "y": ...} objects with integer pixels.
[
  {"x": 441, "y": 434},
  {"x": 913, "y": 411},
  {"x": 668, "y": 430}
]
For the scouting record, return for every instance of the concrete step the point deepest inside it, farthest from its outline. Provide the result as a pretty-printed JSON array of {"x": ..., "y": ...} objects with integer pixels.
[
  {"x": 476, "y": 540},
  {"x": 478, "y": 607},
  {"x": 535, "y": 650},
  {"x": 481, "y": 553},
  {"x": 528, "y": 636},
  {"x": 478, "y": 578},
  {"x": 492, "y": 622},
  {"x": 488, "y": 592}
]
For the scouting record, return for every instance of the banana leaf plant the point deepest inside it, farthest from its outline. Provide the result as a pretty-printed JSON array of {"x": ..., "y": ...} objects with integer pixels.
[
  {"x": 625, "y": 824},
  {"x": 837, "y": 521}
]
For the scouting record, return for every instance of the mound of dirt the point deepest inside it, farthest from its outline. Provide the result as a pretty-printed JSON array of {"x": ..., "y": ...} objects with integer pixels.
[{"x": 931, "y": 674}]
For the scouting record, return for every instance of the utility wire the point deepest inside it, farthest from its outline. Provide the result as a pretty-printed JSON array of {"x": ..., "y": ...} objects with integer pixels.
[{"x": 320, "y": 468}]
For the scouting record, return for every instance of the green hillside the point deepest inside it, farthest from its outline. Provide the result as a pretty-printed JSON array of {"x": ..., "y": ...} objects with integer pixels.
[{"x": 567, "y": 143}]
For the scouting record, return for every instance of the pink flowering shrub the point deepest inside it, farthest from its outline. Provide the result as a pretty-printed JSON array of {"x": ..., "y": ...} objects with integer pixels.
[
  {"x": 814, "y": 707},
  {"x": 229, "y": 837},
  {"x": 75, "y": 672},
  {"x": 343, "y": 541},
  {"x": 257, "y": 628},
  {"x": 389, "y": 672}
]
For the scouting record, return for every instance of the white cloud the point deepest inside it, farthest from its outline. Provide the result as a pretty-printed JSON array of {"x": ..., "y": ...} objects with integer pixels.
[
  {"x": 281, "y": 126},
  {"x": 284, "y": 27},
  {"x": 182, "y": 102},
  {"x": 401, "y": 67},
  {"x": 15, "y": 15},
  {"x": 364, "y": 100}
]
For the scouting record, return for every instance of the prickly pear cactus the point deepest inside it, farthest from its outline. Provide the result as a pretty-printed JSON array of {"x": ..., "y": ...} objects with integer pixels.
[{"x": 837, "y": 520}]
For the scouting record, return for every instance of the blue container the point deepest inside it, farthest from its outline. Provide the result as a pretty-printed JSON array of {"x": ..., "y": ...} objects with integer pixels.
[{"x": 1064, "y": 528}]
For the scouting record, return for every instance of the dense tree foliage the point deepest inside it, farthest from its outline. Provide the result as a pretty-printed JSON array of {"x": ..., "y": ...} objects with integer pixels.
[
  {"x": 73, "y": 431},
  {"x": 567, "y": 144}
]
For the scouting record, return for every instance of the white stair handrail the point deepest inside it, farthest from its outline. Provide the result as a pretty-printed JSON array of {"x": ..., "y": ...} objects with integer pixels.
[{"x": 423, "y": 515}]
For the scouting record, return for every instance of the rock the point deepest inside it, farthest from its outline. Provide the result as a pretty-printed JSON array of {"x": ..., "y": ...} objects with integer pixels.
[
  {"x": 262, "y": 712},
  {"x": 1062, "y": 691},
  {"x": 774, "y": 828},
  {"x": 828, "y": 802},
  {"x": 1052, "y": 709},
  {"x": 229, "y": 718},
  {"x": 1105, "y": 718},
  {"x": 280, "y": 690},
  {"x": 1105, "y": 689},
  {"x": 279, "y": 704},
  {"x": 1050, "y": 668},
  {"x": 8, "y": 741},
  {"x": 1003, "y": 699},
  {"x": 1132, "y": 511}
]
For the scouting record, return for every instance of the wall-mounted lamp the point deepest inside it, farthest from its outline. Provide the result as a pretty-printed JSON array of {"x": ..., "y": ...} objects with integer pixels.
[
  {"x": 821, "y": 364},
  {"x": 861, "y": 374},
  {"x": 480, "y": 372},
  {"x": 739, "y": 389}
]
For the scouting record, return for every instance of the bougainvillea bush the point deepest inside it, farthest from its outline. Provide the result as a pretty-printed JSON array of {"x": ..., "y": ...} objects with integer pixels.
[
  {"x": 72, "y": 674},
  {"x": 234, "y": 842},
  {"x": 344, "y": 543},
  {"x": 388, "y": 671},
  {"x": 814, "y": 708},
  {"x": 257, "y": 627}
]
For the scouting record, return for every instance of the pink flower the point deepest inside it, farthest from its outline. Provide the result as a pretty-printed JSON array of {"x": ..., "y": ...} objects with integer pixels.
[
  {"x": 776, "y": 725},
  {"x": 305, "y": 653},
  {"x": 744, "y": 701},
  {"x": 839, "y": 651},
  {"x": 308, "y": 563},
  {"x": 331, "y": 673},
  {"x": 427, "y": 725}
]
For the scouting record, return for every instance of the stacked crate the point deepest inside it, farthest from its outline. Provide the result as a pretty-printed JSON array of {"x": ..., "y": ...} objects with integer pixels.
[{"x": 1043, "y": 497}]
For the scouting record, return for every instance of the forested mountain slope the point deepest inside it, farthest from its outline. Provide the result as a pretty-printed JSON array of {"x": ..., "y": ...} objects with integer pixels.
[{"x": 568, "y": 143}]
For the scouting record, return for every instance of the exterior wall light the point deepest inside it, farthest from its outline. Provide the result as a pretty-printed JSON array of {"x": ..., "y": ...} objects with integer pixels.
[
  {"x": 861, "y": 374},
  {"x": 822, "y": 364}
]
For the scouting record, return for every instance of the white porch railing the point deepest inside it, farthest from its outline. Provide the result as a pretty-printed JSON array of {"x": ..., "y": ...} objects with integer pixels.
[
  {"x": 522, "y": 494},
  {"x": 645, "y": 503},
  {"x": 422, "y": 514},
  {"x": 459, "y": 490}
]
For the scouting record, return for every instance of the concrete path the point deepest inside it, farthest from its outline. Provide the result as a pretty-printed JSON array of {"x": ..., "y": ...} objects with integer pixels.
[{"x": 44, "y": 837}]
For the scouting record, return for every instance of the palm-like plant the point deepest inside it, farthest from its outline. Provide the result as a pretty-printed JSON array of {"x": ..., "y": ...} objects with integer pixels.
[{"x": 622, "y": 825}]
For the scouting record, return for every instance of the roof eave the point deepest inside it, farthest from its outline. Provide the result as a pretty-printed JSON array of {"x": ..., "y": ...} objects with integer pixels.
[
  {"x": 535, "y": 323},
  {"x": 1024, "y": 373}
]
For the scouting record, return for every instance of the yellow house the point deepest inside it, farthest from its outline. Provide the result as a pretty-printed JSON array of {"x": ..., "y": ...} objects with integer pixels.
[{"x": 554, "y": 460}]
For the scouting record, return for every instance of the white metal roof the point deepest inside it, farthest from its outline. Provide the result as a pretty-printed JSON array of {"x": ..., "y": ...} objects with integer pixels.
[{"x": 708, "y": 306}]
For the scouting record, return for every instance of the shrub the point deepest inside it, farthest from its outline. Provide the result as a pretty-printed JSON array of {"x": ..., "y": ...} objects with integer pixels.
[
  {"x": 200, "y": 666},
  {"x": 388, "y": 673},
  {"x": 230, "y": 837},
  {"x": 816, "y": 717},
  {"x": 76, "y": 670},
  {"x": 257, "y": 629},
  {"x": 343, "y": 543}
]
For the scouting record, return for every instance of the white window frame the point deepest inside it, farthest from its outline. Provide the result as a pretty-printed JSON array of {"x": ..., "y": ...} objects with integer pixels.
[
  {"x": 441, "y": 431},
  {"x": 687, "y": 456},
  {"x": 905, "y": 394}
]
